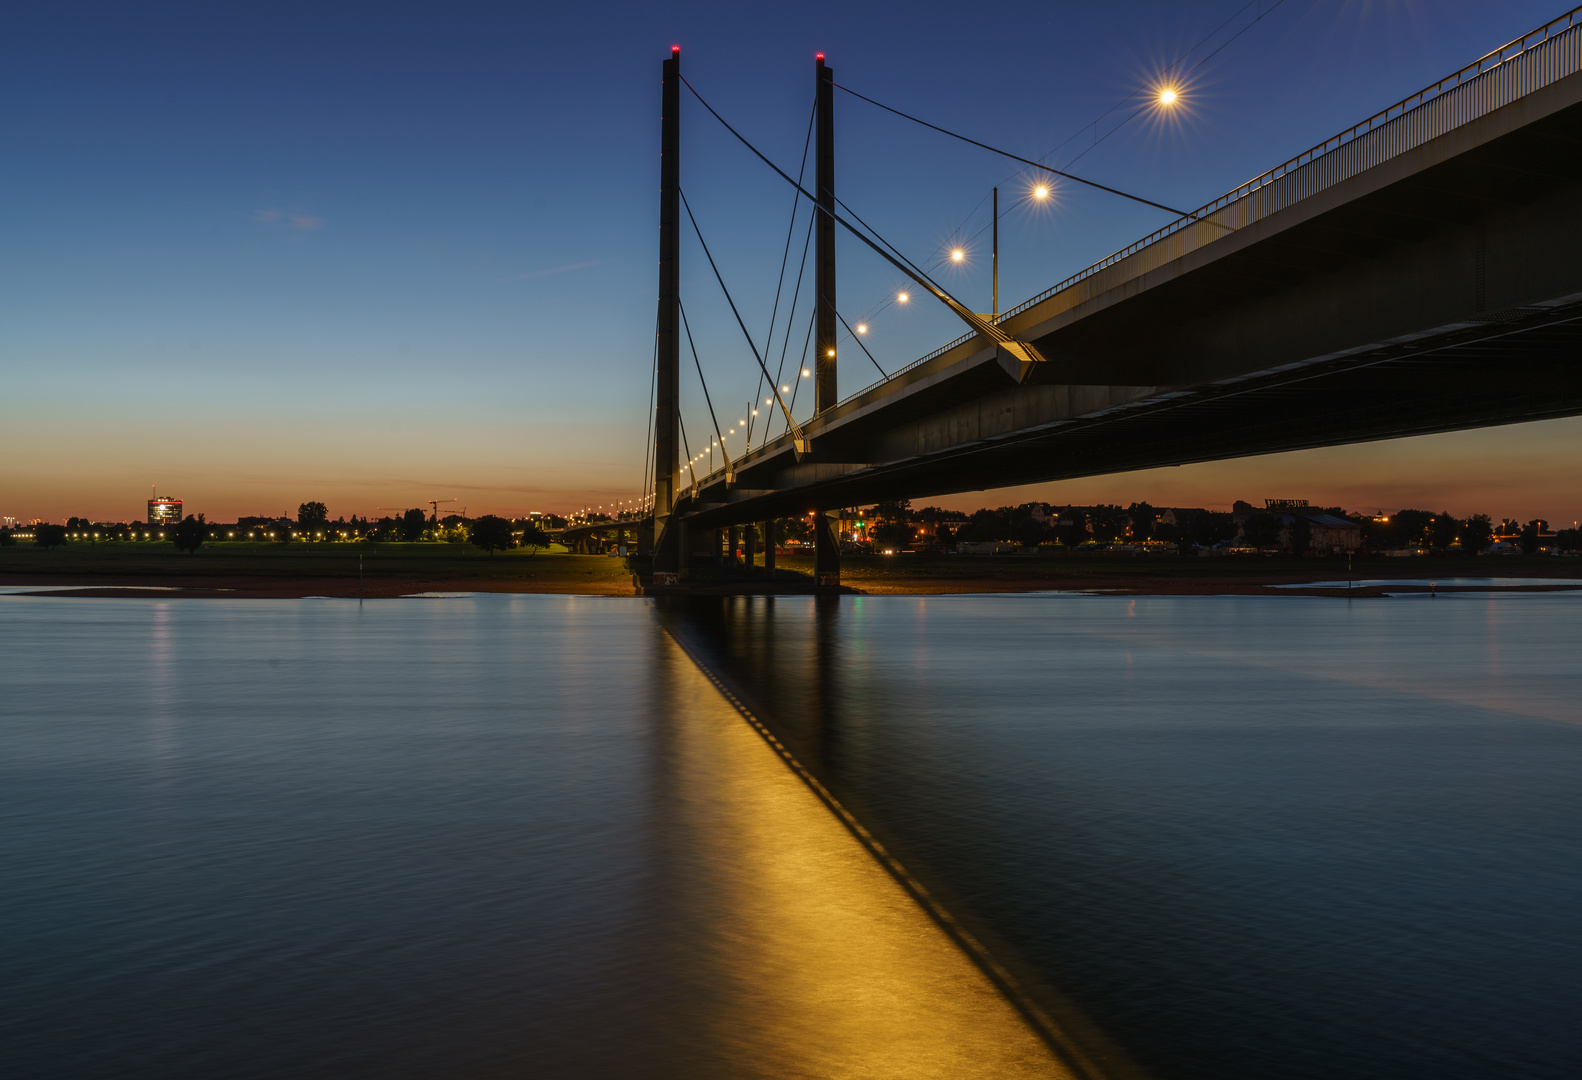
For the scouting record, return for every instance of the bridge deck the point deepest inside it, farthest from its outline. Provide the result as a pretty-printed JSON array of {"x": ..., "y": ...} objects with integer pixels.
[{"x": 1415, "y": 274}]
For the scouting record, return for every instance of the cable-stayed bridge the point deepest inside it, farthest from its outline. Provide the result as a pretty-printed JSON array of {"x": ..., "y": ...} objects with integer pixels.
[{"x": 1420, "y": 272}]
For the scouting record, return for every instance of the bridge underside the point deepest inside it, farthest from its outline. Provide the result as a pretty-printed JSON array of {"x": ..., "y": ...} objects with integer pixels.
[{"x": 1440, "y": 290}]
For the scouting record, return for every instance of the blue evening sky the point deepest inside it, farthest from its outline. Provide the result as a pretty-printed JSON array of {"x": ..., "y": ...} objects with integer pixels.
[{"x": 376, "y": 253}]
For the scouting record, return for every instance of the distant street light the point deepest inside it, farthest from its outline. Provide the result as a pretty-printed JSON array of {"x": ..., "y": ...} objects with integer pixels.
[{"x": 1167, "y": 96}]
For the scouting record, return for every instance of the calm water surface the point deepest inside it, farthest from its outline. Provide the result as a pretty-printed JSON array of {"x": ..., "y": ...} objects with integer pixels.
[{"x": 496, "y": 835}]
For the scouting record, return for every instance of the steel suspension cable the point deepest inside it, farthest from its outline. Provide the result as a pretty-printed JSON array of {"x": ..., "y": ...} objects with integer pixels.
[
  {"x": 1017, "y": 157},
  {"x": 718, "y": 437},
  {"x": 801, "y": 364},
  {"x": 717, "y": 277},
  {"x": 649, "y": 445},
  {"x": 839, "y": 201},
  {"x": 854, "y": 337},
  {"x": 785, "y": 343},
  {"x": 1173, "y": 73},
  {"x": 769, "y": 342},
  {"x": 685, "y": 448},
  {"x": 963, "y": 312},
  {"x": 1142, "y": 108}
]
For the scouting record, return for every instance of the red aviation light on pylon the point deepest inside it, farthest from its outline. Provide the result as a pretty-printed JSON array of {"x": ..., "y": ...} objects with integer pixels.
[
  {"x": 818, "y": 56},
  {"x": 675, "y": 49}
]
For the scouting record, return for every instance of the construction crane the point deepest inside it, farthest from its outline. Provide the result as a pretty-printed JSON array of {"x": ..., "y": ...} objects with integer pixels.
[{"x": 434, "y": 505}]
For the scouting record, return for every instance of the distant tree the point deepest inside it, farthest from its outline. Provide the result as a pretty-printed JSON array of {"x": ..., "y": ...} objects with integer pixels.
[
  {"x": 987, "y": 525},
  {"x": 893, "y": 510},
  {"x": 6, "y": 539},
  {"x": 1529, "y": 537},
  {"x": 1142, "y": 516},
  {"x": 942, "y": 535},
  {"x": 890, "y": 534},
  {"x": 1261, "y": 529},
  {"x": 1300, "y": 535},
  {"x": 1108, "y": 521},
  {"x": 312, "y": 517},
  {"x": 1569, "y": 539},
  {"x": 191, "y": 533},
  {"x": 49, "y": 536},
  {"x": 1410, "y": 528},
  {"x": 412, "y": 524},
  {"x": 1477, "y": 532},
  {"x": 1031, "y": 532},
  {"x": 534, "y": 538},
  {"x": 1214, "y": 526},
  {"x": 797, "y": 528},
  {"x": 490, "y": 532},
  {"x": 1077, "y": 532},
  {"x": 78, "y": 524},
  {"x": 1443, "y": 530}
]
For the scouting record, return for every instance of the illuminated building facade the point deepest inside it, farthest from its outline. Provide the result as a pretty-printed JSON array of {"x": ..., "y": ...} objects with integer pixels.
[{"x": 164, "y": 511}]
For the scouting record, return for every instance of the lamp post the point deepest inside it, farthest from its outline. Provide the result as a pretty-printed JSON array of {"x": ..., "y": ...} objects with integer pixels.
[{"x": 1040, "y": 192}]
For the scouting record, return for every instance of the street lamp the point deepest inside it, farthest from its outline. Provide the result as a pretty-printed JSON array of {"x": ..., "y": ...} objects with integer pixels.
[{"x": 1040, "y": 192}]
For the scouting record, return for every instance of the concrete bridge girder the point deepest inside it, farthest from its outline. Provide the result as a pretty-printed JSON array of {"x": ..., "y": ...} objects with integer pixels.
[{"x": 1436, "y": 291}]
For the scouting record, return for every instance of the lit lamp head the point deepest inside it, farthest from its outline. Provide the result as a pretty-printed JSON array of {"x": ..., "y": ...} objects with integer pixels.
[
  {"x": 1168, "y": 96},
  {"x": 957, "y": 255}
]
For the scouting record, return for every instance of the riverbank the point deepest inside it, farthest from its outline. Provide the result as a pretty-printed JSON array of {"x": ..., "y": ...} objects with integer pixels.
[
  {"x": 270, "y": 571},
  {"x": 275, "y": 571}
]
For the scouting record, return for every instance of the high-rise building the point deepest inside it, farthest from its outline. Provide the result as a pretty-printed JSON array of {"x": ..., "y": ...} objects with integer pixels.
[{"x": 164, "y": 511}]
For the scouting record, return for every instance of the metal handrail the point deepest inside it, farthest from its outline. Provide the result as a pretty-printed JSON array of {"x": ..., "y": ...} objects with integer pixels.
[{"x": 1469, "y": 77}]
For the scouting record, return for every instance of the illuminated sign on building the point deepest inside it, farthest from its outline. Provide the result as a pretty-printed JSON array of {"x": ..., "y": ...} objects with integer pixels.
[{"x": 164, "y": 511}]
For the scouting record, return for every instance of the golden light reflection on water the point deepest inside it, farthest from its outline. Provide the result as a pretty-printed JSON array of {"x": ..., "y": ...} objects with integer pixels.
[{"x": 818, "y": 962}]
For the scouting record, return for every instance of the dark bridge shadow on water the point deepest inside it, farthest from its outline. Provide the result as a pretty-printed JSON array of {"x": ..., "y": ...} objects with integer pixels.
[{"x": 784, "y": 664}]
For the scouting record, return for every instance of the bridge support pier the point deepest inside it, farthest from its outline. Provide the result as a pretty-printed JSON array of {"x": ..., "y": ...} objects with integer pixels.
[
  {"x": 735, "y": 536},
  {"x": 749, "y": 545},
  {"x": 670, "y": 553},
  {"x": 826, "y": 550},
  {"x": 771, "y": 541}
]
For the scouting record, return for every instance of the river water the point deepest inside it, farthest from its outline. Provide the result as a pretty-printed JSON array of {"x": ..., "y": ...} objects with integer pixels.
[{"x": 1170, "y": 837}]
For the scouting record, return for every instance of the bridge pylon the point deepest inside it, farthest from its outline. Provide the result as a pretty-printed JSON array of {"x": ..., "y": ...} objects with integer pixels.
[
  {"x": 669, "y": 556},
  {"x": 826, "y": 546}
]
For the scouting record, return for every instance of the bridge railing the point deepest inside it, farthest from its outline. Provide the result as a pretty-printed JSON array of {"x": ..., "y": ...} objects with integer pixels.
[{"x": 1530, "y": 63}]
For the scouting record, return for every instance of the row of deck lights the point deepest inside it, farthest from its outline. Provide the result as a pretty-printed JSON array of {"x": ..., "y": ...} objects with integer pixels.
[{"x": 1166, "y": 97}]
